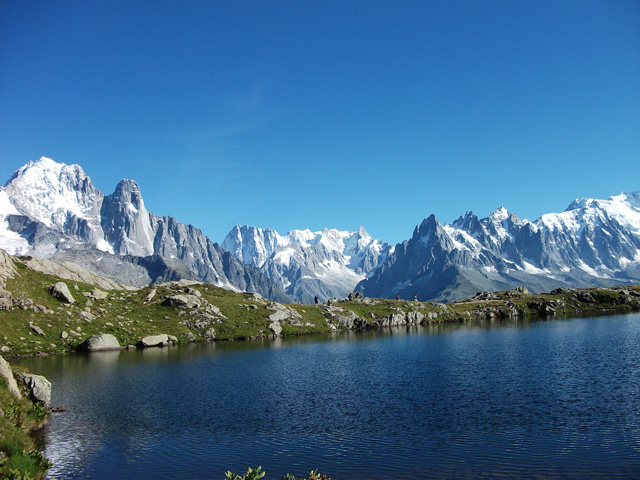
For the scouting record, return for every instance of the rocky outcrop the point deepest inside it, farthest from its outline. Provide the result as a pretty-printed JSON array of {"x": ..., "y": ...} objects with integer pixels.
[
  {"x": 61, "y": 292},
  {"x": 183, "y": 301},
  {"x": 98, "y": 343},
  {"x": 344, "y": 317},
  {"x": 282, "y": 313},
  {"x": 276, "y": 328},
  {"x": 39, "y": 388},
  {"x": 150, "y": 295},
  {"x": 7, "y": 268},
  {"x": 7, "y": 373}
]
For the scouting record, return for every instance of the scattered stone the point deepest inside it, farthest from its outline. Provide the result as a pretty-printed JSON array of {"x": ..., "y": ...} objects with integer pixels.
[
  {"x": 257, "y": 297},
  {"x": 61, "y": 292},
  {"x": 193, "y": 291},
  {"x": 87, "y": 317},
  {"x": 150, "y": 295},
  {"x": 6, "y": 300},
  {"x": 88, "y": 303},
  {"x": 190, "y": 337},
  {"x": 59, "y": 409},
  {"x": 7, "y": 373},
  {"x": 36, "y": 329},
  {"x": 214, "y": 310},
  {"x": 210, "y": 334},
  {"x": 99, "y": 343},
  {"x": 5, "y": 349},
  {"x": 42, "y": 308},
  {"x": 64, "y": 335},
  {"x": 97, "y": 294},
  {"x": 39, "y": 388}
]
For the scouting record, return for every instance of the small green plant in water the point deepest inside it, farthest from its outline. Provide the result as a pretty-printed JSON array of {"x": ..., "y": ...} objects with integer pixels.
[{"x": 252, "y": 474}]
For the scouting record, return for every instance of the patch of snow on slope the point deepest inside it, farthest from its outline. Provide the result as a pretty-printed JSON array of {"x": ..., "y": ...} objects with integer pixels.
[
  {"x": 104, "y": 246},
  {"x": 10, "y": 242}
]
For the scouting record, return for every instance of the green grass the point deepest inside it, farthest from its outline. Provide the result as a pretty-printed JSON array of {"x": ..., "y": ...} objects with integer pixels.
[
  {"x": 20, "y": 457},
  {"x": 127, "y": 316}
]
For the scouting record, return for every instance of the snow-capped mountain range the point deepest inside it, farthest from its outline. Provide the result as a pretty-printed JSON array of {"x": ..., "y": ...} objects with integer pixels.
[
  {"x": 329, "y": 263},
  {"x": 52, "y": 210},
  {"x": 593, "y": 242}
]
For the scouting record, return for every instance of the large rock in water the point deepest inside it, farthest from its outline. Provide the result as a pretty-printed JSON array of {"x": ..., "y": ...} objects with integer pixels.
[
  {"x": 39, "y": 388},
  {"x": 61, "y": 292},
  {"x": 7, "y": 373},
  {"x": 100, "y": 343},
  {"x": 154, "y": 341}
]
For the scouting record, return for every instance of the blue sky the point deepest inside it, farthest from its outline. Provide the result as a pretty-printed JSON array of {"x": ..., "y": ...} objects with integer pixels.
[{"x": 313, "y": 114}]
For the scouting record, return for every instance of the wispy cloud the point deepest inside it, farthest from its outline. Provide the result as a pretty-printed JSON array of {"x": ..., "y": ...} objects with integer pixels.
[{"x": 239, "y": 113}]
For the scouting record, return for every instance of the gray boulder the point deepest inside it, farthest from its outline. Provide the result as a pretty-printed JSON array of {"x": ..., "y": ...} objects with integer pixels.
[
  {"x": 96, "y": 294},
  {"x": 39, "y": 388},
  {"x": 183, "y": 301},
  {"x": 98, "y": 343},
  {"x": 61, "y": 292},
  {"x": 7, "y": 373},
  {"x": 154, "y": 341}
]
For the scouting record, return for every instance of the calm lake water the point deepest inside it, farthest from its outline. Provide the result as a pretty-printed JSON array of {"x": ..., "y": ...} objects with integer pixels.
[{"x": 542, "y": 399}]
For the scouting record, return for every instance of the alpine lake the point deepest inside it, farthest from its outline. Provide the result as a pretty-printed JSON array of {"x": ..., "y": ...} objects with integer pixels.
[{"x": 526, "y": 399}]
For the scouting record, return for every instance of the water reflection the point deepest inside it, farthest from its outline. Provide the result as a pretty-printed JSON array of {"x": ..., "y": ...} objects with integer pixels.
[{"x": 495, "y": 399}]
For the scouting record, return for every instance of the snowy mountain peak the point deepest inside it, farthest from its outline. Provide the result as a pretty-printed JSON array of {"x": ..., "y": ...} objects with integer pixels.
[
  {"x": 499, "y": 215},
  {"x": 630, "y": 198},
  {"x": 51, "y": 192},
  {"x": 581, "y": 203}
]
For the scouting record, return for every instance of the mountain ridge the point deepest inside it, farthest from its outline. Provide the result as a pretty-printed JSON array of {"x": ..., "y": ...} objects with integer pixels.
[
  {"x": 593, "y": 242},
  {"x": 52, "y": 210}
]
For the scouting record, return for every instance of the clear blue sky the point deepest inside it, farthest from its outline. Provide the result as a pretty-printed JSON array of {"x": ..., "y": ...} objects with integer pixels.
[{"x": 313, "y": 114}]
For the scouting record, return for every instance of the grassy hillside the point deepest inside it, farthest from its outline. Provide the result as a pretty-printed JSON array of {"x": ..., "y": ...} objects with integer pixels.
[{"x": 35, "y": 321}]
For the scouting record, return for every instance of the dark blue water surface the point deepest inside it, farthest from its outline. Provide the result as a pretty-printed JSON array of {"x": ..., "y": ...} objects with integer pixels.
[{"x": 545, "y": 399}]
